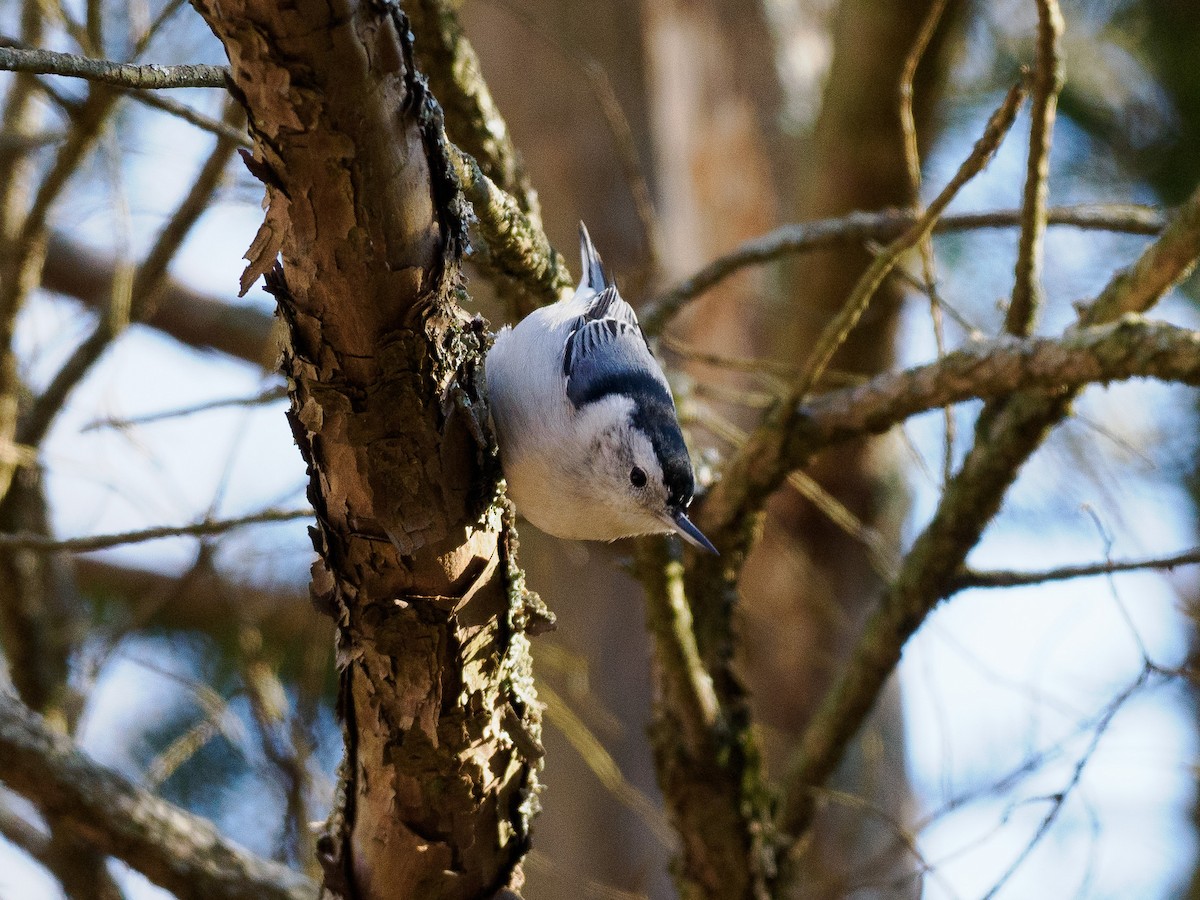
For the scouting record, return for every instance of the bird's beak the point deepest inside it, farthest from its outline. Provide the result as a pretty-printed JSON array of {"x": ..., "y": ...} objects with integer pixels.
[{"x": 685, "y": 529}]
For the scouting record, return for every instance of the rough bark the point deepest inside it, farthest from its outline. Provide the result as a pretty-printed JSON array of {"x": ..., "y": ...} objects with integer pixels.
[{"x": 439, "y": 782}]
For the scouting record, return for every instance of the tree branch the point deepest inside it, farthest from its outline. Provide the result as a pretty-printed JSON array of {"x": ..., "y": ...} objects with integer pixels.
[
  {"x": 48, "y": 544},
  {"x": 1129, "y": 348},
  {"x": 22, "y": 833},
  {"x": 138, "y": 299},
  {"x": 173, "y": 848},
  {"x": 1009, "y": 578},
  {"x": 1003, "y": 444},
  {"x": 122, "y": 75},
  {"x": 1047, "y": 81},
  {"x": 456, "y": 79},
  {"x": 836, "y": 331},
  {"x": 762, "y": 463},
  {"x": 882, "y": 225},
  {"x": 515, "y": 251}
]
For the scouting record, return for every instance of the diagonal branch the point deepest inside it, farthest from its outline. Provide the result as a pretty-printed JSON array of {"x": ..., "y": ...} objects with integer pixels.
[
  {"x": 173, "y": 848},
  {"x": 142, "y": 294},
  {"x": 191, "y": 317},
  {"x": 516, "y": 252},
  {"x": 836, "y": 332},
  {"x": 455, "y": 76},
  {"x": 761, "y": 464}
]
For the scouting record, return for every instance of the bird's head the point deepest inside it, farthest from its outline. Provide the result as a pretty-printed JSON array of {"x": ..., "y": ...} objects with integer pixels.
[{"x": 639, "y": 472}]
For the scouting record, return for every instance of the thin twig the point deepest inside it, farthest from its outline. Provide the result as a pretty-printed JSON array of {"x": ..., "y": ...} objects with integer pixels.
[
  {"x": 602, "y": 764},
  {"x": 143, "y": 293},
  {"x": 622, "y": 133},
  {"x": 122, "y": 75},
  {"x": 762, "y": 464},
  {"x": 1008, "y": 578},
  {"x": 1047, "y": 81},
  {"x": 285, "y": 746},
  {"x": 1058, "y": 799},
  {"x": 268, "y": 396},
  {"x": 836, "y": 332},
  {"x": 47, "y": 544},
  {"x": 912, "y": 159},
  {"x": 192, "y": 117},
  {"x": 164, "y": 15}
]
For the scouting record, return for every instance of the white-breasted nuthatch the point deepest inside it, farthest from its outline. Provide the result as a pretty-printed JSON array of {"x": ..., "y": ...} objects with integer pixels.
[{"x": 588, "y": 433}]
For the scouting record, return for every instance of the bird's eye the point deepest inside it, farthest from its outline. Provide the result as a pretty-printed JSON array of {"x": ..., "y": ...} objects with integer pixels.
[{"x": 637, "y": 477}]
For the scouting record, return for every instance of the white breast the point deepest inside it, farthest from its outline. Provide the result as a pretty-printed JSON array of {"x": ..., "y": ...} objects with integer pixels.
[{"x": 543, "y": 441}]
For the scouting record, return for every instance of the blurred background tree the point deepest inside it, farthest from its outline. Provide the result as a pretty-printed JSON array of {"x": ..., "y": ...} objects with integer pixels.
[{"x": 1035, "y": 742}]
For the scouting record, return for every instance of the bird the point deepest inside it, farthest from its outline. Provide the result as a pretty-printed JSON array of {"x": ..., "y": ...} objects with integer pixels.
[{"x": 588, "y": 433}]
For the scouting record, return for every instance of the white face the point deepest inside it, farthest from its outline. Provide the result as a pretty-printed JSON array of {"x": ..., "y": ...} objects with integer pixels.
[
  {"x": 627, "y": 479},
  {"x": 621, "y": 479}
]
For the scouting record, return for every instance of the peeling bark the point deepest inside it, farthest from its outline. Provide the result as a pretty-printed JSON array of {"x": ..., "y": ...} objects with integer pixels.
[{"x": 441, "y": 722}]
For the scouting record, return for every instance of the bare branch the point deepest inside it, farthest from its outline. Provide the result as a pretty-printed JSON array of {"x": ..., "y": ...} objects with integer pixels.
[
  {"x": 1129, "y": 348},
  {"x": 882, "y": 225},
  {"x": 189, "y": 115},
  {"x": 146, "y": 285},
  {"x": 1047, "y": 81},
  {"x": 270, "y": 395},
  {"x": 761, "y": 465},
  {"x": 173, "y": 848},
  {"x": 836, "y": 332},
  {"x": 912, "y": 159},
  {"x": 1058, "y": 798},
  {"x": 201, "y": 599},
  {"x": 48, "y": 544},
  {"x": 1006, "y": 578},
  {"x": 122, "y": 75}
]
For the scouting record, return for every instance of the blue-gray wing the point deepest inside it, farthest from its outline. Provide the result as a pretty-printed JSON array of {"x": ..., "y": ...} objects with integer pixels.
[{"x": 606, "y": 353}]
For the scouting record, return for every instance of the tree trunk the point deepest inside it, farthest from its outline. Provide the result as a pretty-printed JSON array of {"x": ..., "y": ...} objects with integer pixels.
[{"x": 442, "y": 732}]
